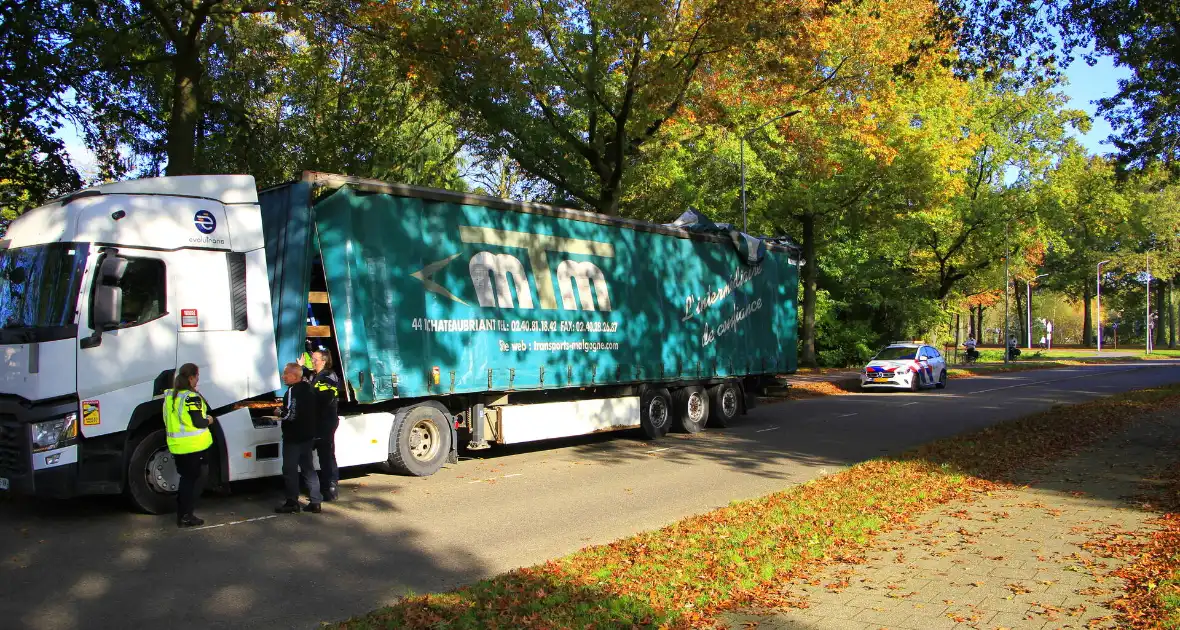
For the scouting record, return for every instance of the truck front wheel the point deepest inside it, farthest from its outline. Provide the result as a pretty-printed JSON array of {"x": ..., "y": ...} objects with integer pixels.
[
  {"x": 420, "y": 442},
  {"x": 692, "y": 408},
  {"x": 655, "y": 412},
  {"x": 152, "y": 479}
]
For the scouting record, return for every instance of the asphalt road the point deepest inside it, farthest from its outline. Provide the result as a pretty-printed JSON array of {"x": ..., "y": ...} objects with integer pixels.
[{"x": 90, "y": 564}]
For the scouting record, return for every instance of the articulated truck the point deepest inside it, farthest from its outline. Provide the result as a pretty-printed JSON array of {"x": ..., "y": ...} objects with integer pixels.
[{"x": 455, "y": 321}]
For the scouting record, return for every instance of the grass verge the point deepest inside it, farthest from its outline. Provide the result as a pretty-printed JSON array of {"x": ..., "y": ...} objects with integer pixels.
[{"x": 684, "y": 574}]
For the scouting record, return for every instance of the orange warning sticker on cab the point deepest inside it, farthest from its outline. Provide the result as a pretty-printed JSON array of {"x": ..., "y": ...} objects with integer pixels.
[{"x": 90, "y": 413}]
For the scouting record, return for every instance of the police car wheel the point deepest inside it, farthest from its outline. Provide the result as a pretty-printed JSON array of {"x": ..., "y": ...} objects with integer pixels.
[
  {"x": 942, "y": 380},
  {"x": 420, "y": 442},
  {"x": 152, "y": 476}
]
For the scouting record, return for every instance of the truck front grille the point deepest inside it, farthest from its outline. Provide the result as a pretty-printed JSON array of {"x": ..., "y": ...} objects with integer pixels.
[{"x": 12, "y": 440}]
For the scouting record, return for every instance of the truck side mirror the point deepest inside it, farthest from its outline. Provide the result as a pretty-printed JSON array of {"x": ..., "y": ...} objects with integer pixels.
[
  {"x": 112, "y": 270},
  {"x": 108, "y": 299},
  {"x": 108, "y": 305}
]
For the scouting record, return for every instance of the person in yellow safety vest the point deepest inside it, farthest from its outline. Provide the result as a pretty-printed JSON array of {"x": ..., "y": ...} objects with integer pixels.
[{"x": 186, "y": 423}]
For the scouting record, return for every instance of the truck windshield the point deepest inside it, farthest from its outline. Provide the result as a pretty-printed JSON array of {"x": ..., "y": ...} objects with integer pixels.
[{"x": 39, "y": 291}]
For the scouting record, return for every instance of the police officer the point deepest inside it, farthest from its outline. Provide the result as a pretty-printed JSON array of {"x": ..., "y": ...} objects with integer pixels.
[
  {"x": 326, "y": 386},
  {"x": 186, "y": 423},
  {"x": 298, "y": 417}
]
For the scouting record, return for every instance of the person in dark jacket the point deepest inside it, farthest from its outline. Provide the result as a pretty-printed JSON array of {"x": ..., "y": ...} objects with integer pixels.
[
  {"x": 298, "y": 417},
  {"x": 326, "y": 386}
]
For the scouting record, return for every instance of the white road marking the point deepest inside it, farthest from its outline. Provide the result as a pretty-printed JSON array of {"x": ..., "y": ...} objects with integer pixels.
[
  {"x": 846, "y": 415},
  {"x": 1056, "y": 380},
  {"x": 658, "y": 450},
  {"x": 908, "y": 404},
  {"x": 512, "y": 475},
  {"x": 765, "y": 430},
  {"x": 249, "y": 520}
]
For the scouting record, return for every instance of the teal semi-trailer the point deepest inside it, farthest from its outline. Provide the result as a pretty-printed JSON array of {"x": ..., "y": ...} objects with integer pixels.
[{"x": 451, "y": 318}]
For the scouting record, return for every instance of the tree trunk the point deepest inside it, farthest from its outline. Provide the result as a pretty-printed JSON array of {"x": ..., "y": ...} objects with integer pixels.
[
  {"x": 979, "y": 327},
  {"x": 1087, "y": 323},
  {"x": 1171, "y": 314},
  {"x": 186, "y": 109},
  {"x": 608, "y": 198},
  {"x": 810, "y": 274}
]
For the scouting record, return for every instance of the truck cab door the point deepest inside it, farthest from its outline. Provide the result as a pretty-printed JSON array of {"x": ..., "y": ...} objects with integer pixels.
[{"x": 127, "y": 331}]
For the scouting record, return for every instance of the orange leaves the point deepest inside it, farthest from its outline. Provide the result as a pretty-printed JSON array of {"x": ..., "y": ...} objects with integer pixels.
[
  {"x": 746, "y": 553},
  {"x": 985, "y": 299}
]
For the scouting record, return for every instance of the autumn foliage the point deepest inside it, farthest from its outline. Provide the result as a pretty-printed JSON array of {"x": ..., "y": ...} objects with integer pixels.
[{"x": 684, "y": 574}]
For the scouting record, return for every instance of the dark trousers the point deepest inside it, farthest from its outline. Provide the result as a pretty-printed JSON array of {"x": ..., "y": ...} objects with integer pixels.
[
  {"x": 189, "y": 467},
  {"x": 297, "y": 460},
  {"x": 325, "y": 449}
]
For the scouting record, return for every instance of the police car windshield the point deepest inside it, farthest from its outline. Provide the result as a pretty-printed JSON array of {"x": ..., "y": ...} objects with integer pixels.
[
  {"x": 896, "y": 354},
  {"x": 39, "y": 291}
]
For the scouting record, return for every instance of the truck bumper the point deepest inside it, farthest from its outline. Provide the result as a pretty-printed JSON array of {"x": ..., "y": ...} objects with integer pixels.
[
  {"x": 52, "y": 473},
  {"x": 59, "y": 482}
]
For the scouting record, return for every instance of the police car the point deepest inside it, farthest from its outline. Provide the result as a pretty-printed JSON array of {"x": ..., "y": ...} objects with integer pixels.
[{"x": 905, "y": 365}]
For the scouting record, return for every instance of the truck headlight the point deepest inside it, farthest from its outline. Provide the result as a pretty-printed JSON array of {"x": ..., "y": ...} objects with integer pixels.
[{"x": 56, "y": 433}]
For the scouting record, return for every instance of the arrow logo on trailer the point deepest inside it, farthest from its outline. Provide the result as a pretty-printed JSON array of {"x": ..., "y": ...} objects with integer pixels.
[{"x": 426, "y": 275}]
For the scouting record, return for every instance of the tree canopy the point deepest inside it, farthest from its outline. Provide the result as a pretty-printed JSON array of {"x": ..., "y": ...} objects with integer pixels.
[{"x": 911, "y": 147}]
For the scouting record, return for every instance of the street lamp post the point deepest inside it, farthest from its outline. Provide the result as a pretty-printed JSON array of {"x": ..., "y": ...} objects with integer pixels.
[
  {"x": 1147, "y": 346},
  {"x": 1099, "y": 308},
  {"x": 1007, "y": 254},
  {"x": 742, "y": 157},
  {"x": 1028, "y": 307}
]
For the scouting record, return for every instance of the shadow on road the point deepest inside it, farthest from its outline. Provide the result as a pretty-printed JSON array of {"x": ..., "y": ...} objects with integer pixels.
[
  {"x": 253, "y": 574},
  {"x": 87, "y": 563}
]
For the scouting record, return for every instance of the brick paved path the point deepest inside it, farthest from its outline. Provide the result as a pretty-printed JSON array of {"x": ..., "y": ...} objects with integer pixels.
[{"x": 1011, "y": 560}]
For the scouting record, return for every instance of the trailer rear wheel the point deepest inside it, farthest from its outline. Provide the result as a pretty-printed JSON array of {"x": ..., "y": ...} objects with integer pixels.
[
  {"x": 420, "y": 442},
  {"x": 691, "y": 405},
  {"x": 725, "y": 401},
  {"x": 655, "y": 412},
  {"x": 151, "y": 474}
]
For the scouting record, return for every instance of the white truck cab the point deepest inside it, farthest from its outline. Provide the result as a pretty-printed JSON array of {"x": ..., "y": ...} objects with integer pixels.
[{"x": 103, "y": 294}]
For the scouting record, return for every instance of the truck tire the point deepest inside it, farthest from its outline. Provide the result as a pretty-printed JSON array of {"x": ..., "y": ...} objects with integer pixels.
[
  {"x": 691, "y": 405},
  {"x": 420, "y": 442},
  {"x": 151, "y": 474},
  {"x": 725, "y": 402},
  {"x": 655, "y": 412}
]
